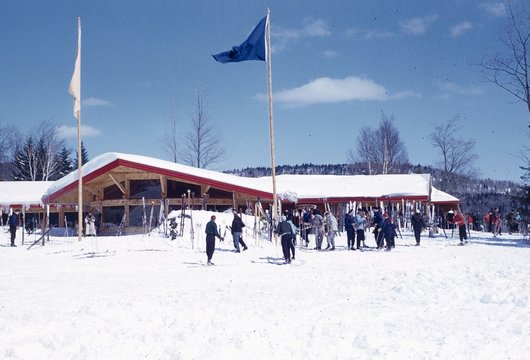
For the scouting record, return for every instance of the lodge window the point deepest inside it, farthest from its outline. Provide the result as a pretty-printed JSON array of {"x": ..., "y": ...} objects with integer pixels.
[
  {"x": 112, "y": 192},
  {"x": 113, "y": 214},
  {"x": 175, "y": 189},
  {"x": 149, "y": 189}
]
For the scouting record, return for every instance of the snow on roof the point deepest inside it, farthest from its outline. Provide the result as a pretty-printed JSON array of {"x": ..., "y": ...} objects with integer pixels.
[
  {"x": 289, "y": 187},
  {"x": 23, "y": 192},
  {"x": 348, "y": 186},
  {"x": 440, "y": 197},
  {"x": 107, "y": 158}
]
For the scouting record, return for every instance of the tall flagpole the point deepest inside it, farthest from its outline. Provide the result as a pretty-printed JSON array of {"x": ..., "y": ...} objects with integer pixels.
[
  {"x": 274, "y": 217},
  {"x": 75, "y": 91},
  {"x": 79, "y": 155}
]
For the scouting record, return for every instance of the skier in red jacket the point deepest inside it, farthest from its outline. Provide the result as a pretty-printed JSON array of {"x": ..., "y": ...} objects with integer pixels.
[{"x": 461, "y": 223}]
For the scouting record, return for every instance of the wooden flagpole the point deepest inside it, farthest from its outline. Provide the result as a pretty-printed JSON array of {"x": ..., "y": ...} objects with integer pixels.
[
  {"x": 79, "y": 155},
  {"x": 274, "y": 216}
]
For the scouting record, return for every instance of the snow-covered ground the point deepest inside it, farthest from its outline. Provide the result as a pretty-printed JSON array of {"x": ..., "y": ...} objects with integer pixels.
[{"x": 147, "y": 297}]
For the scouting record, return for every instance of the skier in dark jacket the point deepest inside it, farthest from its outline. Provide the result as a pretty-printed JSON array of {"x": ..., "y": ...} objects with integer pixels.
[
  {"x": 13, "y": 225},
  {"x": 378, "y": 234},
  {"x": 349, "y": 222},
  {"x": 286, "y": 232},
  {"x": 389, "y": 231},
  {"x": 237, "y": 230},
  {"x": 211, "y": 233},
  {"x": 417, "y": 226}
]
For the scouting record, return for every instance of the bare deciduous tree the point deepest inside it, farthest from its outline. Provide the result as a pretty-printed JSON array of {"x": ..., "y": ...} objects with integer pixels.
[
  {"x": 457, "y": 155},
  {"x": 510, "y": 67},
  {"x": 49, "y": 147},
  {"x": 203, "y": 146},
  {"x": 171, "y": 138},
  {"x": 381, "y": 150},
  {"x": 390, "y": 152}
]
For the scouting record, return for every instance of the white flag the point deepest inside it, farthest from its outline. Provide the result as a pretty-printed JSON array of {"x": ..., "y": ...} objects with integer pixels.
[{"x": 75, "y": 83}]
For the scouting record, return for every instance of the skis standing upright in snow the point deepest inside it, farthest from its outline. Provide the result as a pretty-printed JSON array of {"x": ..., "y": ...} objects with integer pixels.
[
  {"x": 144, "y": 216},
  {"x": 119, "y": 232},
  {"x": 182, "y": 215},
  {"x": 151, "y": 218}
]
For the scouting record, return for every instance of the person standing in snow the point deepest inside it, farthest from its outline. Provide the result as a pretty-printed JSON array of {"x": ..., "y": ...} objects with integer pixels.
[
  {"x": 378, "y": 233},
  {"x": 237, "y": 230},
  {"x": 461, "y": 223},
  {"x": 388, "y": 229},
  {"x": 211, "y": 233},
  {"x": 317, "y": 222},
  {"x": 13, "y": 222},
  {"x": 286, "y": 232},
  {"x": 90, "y": 225},
  {"x": 349, "y": 223},
  {"x": 333, "y": 227},
  {"x": 417, "y": 225},
  {"x": 360, "y": 223},
  {"x": 293, "y": 239},
  {"x": 306, "y": 226}
]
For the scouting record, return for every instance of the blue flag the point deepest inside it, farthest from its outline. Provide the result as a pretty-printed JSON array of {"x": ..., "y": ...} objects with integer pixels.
[{"x": 253, "y": 48}]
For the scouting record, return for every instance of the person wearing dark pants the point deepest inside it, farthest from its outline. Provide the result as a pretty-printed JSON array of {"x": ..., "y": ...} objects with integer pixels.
[
  {"x": 237, "y": 230},
  {"x": 286, "y": 233},
  {"x": 13, "y": 225},
  {"x": 417, "y": 226},
  {"x": 461, "y": 223},
  {"x": 360, "y": 222},
  {"x": 349, "y": 221},
  {"x": 211, "y": 233}
]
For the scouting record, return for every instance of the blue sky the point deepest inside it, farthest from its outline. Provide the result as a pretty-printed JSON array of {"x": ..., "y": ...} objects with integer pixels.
[{"x": 336, "y": 65}]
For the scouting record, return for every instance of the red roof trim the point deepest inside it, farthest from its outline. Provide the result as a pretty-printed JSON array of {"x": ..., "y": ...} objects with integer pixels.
[
  {"x": 161, "y": 171},
  {"x": 194, "y": 178}
]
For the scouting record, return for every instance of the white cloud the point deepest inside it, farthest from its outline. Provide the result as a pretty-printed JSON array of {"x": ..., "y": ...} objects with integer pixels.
[
  {"x": 370, "y": 34},
  {"x": 96, "y": 102},
  {"x": 67, "y": 132},
  {"x": 311, "y": 28},
  {"x": 330, "y": 54},
  {"x": 328, "y": 90},
  {"x": 451, "y": 88},
  {"x": 317, "y": 28},
  {"x": 495, "y": 9},
  {"x": 417, "y": 26},
  {"x": 459, "y": 29}
]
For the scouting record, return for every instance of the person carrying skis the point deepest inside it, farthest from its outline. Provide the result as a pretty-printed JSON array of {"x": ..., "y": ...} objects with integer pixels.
[
  {"x": 417, "y": 225},
  {"x": 461, "y": 223},
  {"x": 211, "y": 233},
  {"x": 286, "y": 232}
]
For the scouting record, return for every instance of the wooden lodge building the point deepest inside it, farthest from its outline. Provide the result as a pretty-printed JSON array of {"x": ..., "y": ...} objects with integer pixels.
[{"x": 121, "y": 188}]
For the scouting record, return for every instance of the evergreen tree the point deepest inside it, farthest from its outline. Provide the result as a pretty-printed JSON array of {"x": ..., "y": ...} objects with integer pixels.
[
  {"x": 84, "y": 156},
  {"x": 65, "y": 164}
]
